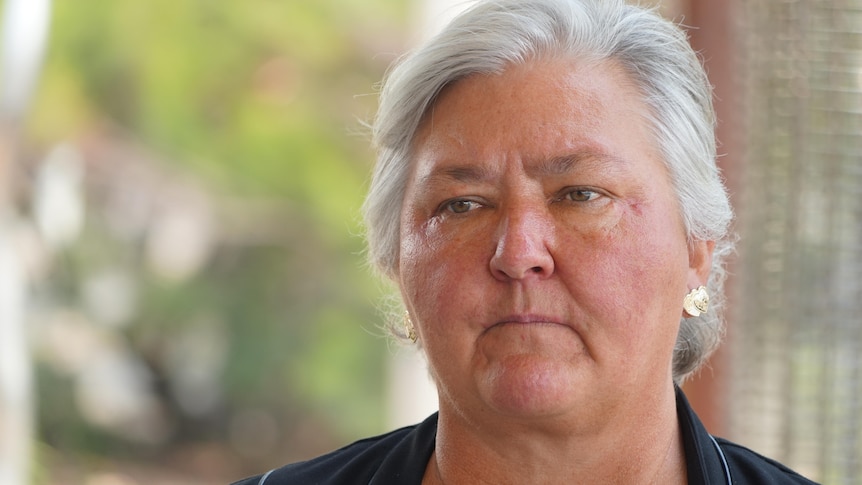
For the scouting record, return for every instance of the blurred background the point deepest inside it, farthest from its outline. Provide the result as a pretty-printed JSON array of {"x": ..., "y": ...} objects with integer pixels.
[{"x": 183, "y": 295}]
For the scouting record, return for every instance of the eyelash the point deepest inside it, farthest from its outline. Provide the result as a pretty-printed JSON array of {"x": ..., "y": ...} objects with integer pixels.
[
  {"x": 591, "y": 194},
  {"x": 565, "y": 196},
  {"x": 448, "y": 206}
]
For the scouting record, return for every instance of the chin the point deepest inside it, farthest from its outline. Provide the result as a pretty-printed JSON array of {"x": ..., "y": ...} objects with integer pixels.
[{"x": 533, "y": 386}]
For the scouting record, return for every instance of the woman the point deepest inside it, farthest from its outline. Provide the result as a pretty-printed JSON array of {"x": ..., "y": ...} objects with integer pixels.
[{"x": 546, "y": 198}]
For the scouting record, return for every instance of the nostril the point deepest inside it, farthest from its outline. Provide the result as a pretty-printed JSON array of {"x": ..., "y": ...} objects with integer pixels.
[{"x": 521, "y": 251}]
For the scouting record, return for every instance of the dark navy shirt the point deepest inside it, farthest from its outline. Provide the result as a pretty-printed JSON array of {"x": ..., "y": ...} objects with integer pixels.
[{"x": 400, "y": 458}]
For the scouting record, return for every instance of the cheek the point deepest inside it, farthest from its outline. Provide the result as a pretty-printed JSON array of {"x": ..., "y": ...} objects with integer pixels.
[
  {"x": 416, "y": 275},
  {"x": 633, "y": 272},
  {"x": 655, "y": 237},
  {"x": 434, "y": 265},
  {"x": 630, "y": 304}
]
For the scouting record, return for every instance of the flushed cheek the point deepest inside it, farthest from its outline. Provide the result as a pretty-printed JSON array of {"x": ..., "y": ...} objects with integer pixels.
[
  {"x": 436, "y": 270},
  {"x": 630, "y": 274}
]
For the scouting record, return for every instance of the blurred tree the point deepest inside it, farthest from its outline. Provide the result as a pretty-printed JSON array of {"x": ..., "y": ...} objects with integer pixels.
[{"x": 220, "y": 266}]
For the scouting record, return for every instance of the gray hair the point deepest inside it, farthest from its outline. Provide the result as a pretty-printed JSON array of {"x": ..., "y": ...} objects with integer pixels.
[{"x": 653, "y": 51}]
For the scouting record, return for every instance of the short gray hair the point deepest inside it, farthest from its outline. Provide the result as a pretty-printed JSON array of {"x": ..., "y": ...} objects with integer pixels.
[{"x": 653, "y": 51}]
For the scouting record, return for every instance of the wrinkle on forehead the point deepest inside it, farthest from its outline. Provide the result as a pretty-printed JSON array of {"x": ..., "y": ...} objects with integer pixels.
[
  {"x": 473, "y": 172},
  {"x": 572, "y": 76}
]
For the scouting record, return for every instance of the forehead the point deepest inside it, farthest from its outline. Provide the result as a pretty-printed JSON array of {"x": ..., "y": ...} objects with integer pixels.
[{"x": 536, "y": 112}]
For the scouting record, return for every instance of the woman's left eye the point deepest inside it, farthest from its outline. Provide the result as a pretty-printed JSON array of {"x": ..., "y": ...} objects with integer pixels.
[{"x": 581, "y": 195}]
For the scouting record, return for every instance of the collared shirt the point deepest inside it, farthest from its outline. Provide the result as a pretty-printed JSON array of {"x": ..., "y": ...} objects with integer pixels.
[{"x": 400, "y": 458}]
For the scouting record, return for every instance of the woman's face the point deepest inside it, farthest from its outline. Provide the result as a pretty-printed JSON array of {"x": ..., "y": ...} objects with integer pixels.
[{"x": 543, "y": 257}]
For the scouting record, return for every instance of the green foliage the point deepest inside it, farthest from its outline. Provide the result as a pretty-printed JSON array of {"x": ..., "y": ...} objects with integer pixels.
[
  {"x": 261, "y": 100},
  {"x": 260, "y": 95}
]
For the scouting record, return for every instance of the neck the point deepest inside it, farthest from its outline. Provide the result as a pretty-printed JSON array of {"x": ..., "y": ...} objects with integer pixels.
[{"x": 638, "y": 444}]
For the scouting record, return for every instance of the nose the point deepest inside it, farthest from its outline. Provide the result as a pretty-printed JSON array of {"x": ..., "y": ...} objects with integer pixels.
[{"x": 523, "y": 245}]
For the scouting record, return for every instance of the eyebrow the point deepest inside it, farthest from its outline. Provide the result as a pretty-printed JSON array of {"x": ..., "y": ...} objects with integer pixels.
[
  {"x": 554, "y": 166},
  {"x": 460, "y": 173},
  {"x": 565, "y": 163}
]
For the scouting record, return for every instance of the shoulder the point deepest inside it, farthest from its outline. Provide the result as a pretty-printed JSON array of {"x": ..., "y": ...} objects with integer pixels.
[
  {"x": 748, "y": 466},
  {"x": 717, "y": 460},
  {"x": 400, "y": 453}
]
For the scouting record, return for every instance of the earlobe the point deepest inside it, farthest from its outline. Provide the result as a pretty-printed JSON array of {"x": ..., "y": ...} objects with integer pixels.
[{"x": 699, "y": 262}]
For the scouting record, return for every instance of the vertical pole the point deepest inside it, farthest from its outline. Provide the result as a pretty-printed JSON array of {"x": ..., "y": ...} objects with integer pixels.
[
  {"x": 712, "y": 36},
  {"x": 22, "y": 43},
  {"x": 16, "y": 415}
]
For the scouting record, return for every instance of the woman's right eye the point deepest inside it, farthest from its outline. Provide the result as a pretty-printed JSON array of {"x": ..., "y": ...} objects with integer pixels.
[{"x": 460, "y": 206}]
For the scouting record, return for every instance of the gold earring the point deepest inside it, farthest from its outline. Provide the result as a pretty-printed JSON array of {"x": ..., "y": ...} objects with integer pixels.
[
  {"x": 411, "y": 329},
  {"x": 696, "y": 302}
]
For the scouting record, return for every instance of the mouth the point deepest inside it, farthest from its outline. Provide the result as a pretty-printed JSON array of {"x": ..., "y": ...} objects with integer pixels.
[{"x": 527, "y": 319}]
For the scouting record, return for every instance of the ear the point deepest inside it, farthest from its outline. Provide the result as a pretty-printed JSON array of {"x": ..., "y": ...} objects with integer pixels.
[{"x": 699, "y": 262}]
